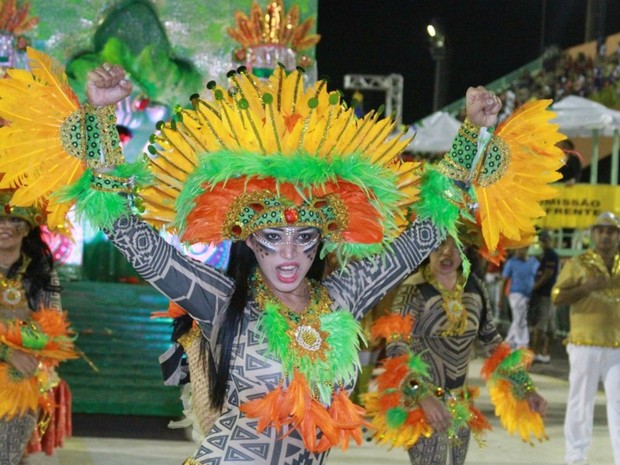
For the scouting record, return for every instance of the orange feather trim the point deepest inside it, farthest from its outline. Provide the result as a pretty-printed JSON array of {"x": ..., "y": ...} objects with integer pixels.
[
  {"x": 174, "y": 311},
  {"x": 392, "y": 327},
  {"x": 51, "y": 323},
  {"x": 267, "y": 410},
  {"x": 395, "y": 371},
  {"x": 490, "y": 364},
  {"x": 345, "y": 412},
  {"x": 365, "y": 224},
  {"x": 206, "y": 220},
  {"x": 295, "y": 406}
]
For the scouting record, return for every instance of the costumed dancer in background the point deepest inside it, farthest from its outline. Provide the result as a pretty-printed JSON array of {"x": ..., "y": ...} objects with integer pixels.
[
  {"x": 441, "y": 313},
  {"x": 35, "y": 405},
  {"x": 290, "y": 175},
  {"x": 423, "y": 402}
]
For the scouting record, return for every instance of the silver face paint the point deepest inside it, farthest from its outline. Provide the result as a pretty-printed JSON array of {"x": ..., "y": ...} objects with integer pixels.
[{"x": 273, "y": 239}]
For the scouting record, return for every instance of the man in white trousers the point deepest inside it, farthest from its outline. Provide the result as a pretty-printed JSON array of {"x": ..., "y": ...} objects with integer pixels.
[{"x": 590, "y": 284}]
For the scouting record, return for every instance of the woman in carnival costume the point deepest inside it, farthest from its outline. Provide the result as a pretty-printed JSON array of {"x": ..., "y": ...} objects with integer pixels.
[
  {"x": 290, "y": 175},
  {"x": 423, "y": 401},
  {"x": 35, "y": 406}
]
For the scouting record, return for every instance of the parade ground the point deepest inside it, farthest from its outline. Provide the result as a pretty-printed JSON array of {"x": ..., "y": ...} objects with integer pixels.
[{"x": 136, "y": 441}]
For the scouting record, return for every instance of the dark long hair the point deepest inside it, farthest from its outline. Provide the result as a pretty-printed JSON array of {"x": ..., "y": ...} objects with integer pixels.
[
  {"x": 38, "y": 272},
  {"x": 240, "y": 268}
]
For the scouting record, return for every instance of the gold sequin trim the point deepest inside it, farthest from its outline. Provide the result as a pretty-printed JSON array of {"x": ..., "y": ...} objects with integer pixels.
[
  {"x": 493, "y": 174},
  {"x": 191, "y": 461},
  {"x": 74, "y": 135}
]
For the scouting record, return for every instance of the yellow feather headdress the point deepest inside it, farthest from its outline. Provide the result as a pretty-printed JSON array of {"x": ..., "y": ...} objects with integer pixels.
[{"x": 272, "y": 153}]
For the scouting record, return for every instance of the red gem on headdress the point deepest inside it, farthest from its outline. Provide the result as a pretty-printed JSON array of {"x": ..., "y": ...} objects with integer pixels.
[
  {"x": 291, "y": 216},
  {"x": 7, "y": 209},
  {"x": 257, "y": 207},
  {"x": 236, "y": 230},
  {"x": 142, "y": 104}
]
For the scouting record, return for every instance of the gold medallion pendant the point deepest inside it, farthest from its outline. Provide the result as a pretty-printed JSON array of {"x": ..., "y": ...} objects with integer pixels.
[{"x": 452, "y": 304}]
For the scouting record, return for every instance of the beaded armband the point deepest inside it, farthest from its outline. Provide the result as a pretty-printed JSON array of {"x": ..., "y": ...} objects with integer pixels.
[
  {"x": 521, "y": 383},
  {"x": 90, "y": 134},
  {"x": 509, "y": 368},
  {"x": 393, "y": 328},
  {"x": 461, "y": 163},
  {"x": 108, "y": 183}
]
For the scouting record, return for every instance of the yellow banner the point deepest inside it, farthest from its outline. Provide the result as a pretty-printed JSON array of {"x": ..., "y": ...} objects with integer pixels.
[{"x": 578, "y": 206}]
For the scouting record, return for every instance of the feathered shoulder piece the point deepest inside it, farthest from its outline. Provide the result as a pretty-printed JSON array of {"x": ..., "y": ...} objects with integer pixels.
[{"x": 510, "y": 205}]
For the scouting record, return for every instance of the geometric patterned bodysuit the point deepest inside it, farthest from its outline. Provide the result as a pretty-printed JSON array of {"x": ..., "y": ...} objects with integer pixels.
[
  {"x": 204, "y": 293},
  {"x": 447, "y": 356}
]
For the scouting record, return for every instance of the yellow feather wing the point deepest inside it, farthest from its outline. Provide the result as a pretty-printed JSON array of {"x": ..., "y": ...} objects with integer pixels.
[
  {"x": 35, "y": 103},
  {"x": 509, "y": 206}
]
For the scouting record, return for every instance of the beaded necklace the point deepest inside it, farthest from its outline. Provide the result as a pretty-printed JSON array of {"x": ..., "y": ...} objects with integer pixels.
[
  {"x": 317, "y": 349},
  {"x": 304, "y": 328},
  {"x": 318, "y": 343},
  {"x": 12, "y": 293},
  {"x": 452, "y": 303}
]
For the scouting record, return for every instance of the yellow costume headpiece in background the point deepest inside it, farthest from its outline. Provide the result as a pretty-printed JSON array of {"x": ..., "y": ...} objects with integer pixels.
[{"x": 32, "y": 215}]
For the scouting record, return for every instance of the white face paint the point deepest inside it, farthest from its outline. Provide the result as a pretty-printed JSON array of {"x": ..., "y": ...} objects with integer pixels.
[
  {"x": 285, "y": 255},
  {"x": 274, "y": 238}
]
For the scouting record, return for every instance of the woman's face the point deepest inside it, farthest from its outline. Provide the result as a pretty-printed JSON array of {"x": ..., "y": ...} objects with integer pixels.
[
  {"x": 12, "y": 232},
  {"x": 446, "y": 258},
  {"x": 285, "y": 255}
]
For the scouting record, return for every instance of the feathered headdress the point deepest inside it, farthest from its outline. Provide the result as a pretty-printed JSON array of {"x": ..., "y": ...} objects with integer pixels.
[
  {"x": 271, "y": 154},
  {"x": 15, "y": 18},
  {"x": 275, "y": 27}
]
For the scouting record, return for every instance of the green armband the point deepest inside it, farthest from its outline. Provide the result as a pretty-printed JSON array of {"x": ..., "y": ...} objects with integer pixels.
[
  {"x": 461, "y": 163},
  {"x": 90, "y": 134},
  {"x": 107, "y": 182},
  {"x": 101, "y": 197},
  {"x": 521, "y": 383}
]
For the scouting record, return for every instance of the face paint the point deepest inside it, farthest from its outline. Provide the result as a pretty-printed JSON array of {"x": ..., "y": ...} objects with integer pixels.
[
  {"x": 285, "y": 255},
  {"x": 274, "y": 239}
]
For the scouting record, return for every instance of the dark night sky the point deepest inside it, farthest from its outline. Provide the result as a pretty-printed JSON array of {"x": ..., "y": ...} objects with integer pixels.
[{"x": 487, "y": 39}]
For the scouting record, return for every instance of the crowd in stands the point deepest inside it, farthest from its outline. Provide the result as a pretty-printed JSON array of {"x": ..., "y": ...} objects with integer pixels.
[{"x": 562, "y": 74}]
